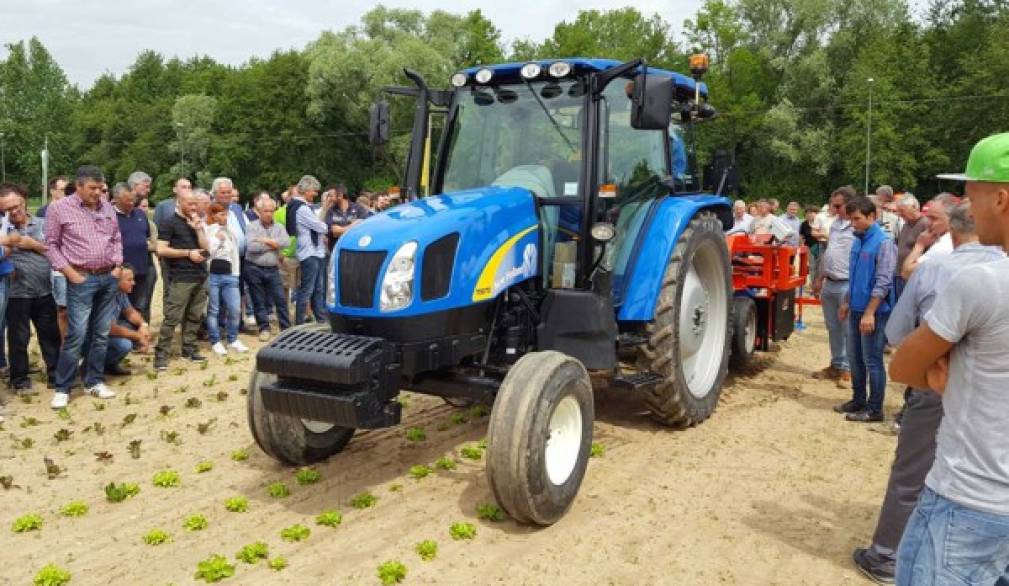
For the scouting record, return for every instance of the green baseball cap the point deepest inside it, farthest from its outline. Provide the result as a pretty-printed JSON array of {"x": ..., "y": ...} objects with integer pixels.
[{"x": 989, "y": 161}]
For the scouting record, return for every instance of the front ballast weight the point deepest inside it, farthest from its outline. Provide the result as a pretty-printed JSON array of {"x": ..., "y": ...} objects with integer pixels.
[{"x": 312, "y": 388}]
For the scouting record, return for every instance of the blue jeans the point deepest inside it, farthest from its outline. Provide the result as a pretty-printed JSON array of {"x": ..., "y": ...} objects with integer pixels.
[
  {"x": 831, "y": 298},
  {"x": 117, "y": 350},
  {"x": 90, "y": 309},
  {"x": 223, "y": 288},
  {"x": 267, "y": 291},
  {"x": 312, "y": 289},
  {"x": 948, "y": 543},
  {"x": 5, "y": 282},
  {"x": 866, "y": 355}
]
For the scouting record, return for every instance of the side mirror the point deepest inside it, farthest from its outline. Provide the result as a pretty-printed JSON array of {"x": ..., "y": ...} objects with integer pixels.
[
  {"x": 378, "y": 123},
  {"x": 651, "y": 102}
]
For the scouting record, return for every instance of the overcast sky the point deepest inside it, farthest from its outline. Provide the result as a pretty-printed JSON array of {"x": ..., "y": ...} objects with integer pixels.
[{"x": 91, "y": 37}]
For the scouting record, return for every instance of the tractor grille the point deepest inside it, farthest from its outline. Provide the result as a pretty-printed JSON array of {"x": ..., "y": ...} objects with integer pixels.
[
  {"x": 358, "y": 275},
  {"x": 438, "y": 260}
]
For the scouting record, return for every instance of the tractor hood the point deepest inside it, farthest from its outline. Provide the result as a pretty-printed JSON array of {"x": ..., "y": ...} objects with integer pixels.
[{"x": 470, "y": 245}]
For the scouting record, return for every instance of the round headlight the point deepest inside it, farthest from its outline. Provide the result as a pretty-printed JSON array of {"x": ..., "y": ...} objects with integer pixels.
[
  {"x": 484, "y": 75},
  {"x": 560, "y": 69},
  {"x": 603, "y": 231},
  {"x": 459, "y": 79},
  {"x": 531, "y": 71}
]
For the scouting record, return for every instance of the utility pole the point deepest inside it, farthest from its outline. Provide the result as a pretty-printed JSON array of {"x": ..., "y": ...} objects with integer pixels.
[
  {"x": 45, "y": 172},
  {"x": 182, "y": 148},
  {"x": 868, "y": 138}
]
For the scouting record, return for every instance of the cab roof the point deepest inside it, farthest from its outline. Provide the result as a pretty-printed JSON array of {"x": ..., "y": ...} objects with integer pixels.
[{"x": 583, "y": 65}]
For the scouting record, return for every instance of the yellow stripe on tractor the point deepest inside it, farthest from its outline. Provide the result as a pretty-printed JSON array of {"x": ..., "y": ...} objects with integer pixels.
[{"x": 485, "y": 284}]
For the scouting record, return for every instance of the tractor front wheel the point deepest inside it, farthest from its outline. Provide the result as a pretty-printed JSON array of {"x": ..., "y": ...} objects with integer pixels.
[
  {"x": 291, "y": 440},
  {"x": 540, "y": 437},
  {"x": 688, "y": 340}
]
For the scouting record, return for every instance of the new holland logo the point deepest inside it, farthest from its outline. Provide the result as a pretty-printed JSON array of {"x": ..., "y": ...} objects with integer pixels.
[{"x": 364, "y": 241}]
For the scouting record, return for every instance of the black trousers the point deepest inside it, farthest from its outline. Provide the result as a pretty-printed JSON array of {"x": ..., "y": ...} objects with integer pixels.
[
  {"x": 40, "y": 311},
  {"x": 911, "y": 463}
]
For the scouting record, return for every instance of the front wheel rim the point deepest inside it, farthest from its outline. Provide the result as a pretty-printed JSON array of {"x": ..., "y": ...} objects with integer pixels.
[
  {"x": 317, "y": 426},
  {"x": 564, "y": 440}
]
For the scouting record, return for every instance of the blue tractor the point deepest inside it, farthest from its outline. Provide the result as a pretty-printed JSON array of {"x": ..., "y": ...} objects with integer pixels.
[{"x": 566, "y": 247}]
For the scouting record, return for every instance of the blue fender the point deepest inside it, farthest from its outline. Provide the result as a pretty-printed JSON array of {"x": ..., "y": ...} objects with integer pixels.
[
  {"x": 499, "y": 242},
  {"x": 638, "y": 288}
]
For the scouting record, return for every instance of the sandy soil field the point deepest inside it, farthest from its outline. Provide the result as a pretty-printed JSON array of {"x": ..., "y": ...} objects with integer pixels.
[{"x": 774, "y": 489}]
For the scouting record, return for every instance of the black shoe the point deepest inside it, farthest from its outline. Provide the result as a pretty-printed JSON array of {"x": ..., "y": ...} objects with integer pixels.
[
  {"x": 23, "y": 388},
  {"x": 864, "y": 417},
  {"x": 195, "y": 357},
  {"x": 849, "y": 407},
  {"x": 118, "y": 370},
  {"x": 160, "y": 363},
  {"x": 877, "y": 568}
]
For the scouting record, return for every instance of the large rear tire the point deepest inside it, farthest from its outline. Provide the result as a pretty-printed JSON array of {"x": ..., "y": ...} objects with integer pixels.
[
  {"x": 744, "y": 332},
  {"x": 291, "y": 440},
  {"x": 540, "y": 437},
  {"x": 688, "y": 341}
]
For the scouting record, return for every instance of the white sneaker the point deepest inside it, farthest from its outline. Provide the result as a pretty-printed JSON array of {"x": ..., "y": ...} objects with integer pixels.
[
  {"x": 264, "y": 336},
  {"x": 250, "y": 321},
  {"x": 60, "y": 400},
  {"x": 101, "y": 390},
  {"x": 219, "y": 349},
  {"x": 238, "y": 346}
]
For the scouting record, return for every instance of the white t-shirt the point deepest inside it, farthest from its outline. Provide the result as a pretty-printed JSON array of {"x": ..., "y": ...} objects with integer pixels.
[
  {"x": 942, "y": 247},
  {"x": 823, "y": 222},
  {"x": 972, "y": 448}
]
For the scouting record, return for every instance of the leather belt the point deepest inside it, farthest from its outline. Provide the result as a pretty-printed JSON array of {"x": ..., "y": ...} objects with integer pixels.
[
  {"x": 101, "y": 271},
  {"x": 837, "y": 280}
]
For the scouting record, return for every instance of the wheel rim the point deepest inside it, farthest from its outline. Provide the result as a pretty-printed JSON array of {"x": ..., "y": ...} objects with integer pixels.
[
  {"x": 703, "y": 318},
  {"x": 564, "y": 441},
  {"x": 750, "y": 332},
  {"x": 317, "y": 426}
]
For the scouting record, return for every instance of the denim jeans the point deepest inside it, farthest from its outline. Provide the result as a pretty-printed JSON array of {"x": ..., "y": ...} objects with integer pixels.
[
  {"x": 224, "y": 289},
  {"x": 90, "y": 310},
  {"x": 5, "y": 283},
  {"x": 267, "y": 291},
  {"x": 948, "y": 543},
  {"x": 831, "y": 298},
  {"x": 118, "y": 349},
  {"x": 866, "y": 355},
  {"x": 312, "y": 289}
]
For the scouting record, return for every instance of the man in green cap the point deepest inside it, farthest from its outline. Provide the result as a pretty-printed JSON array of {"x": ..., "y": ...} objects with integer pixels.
[{"x": 959, "y": 530}]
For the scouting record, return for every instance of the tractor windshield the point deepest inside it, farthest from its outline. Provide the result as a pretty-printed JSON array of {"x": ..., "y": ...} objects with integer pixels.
[{"x": 522, "y": 135}]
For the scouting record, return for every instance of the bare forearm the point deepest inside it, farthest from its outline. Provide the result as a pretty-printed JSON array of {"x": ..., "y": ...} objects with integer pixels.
[
  {"x": 165, "y": 251},
  {"x": 911, "y": 262}
]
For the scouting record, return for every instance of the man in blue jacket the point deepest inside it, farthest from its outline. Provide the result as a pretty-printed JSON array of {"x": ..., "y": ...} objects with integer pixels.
[{"x": 867, "y": 307}]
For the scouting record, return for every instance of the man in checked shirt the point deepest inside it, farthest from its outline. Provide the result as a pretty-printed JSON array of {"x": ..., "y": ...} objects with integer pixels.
[{"x": 83, "y": 242}]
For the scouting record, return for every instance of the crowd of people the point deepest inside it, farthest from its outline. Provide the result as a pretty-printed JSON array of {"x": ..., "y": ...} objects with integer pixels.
[
  {"x": 928, "y": 281},
  {"x": 83, "y": 270},
  {"x": 925, "y": 280}
]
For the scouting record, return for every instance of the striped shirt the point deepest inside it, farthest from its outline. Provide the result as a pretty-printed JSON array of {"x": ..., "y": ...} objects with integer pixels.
[{"x": 78, "y": 236}]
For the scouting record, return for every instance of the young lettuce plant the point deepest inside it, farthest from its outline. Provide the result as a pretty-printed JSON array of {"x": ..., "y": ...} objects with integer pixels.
[
  {"x": 214, "y": 569},
  {"x": 391, "y": 572},
  {"x": 253, "y": 552},
  {"x": 329, "y": 518}
]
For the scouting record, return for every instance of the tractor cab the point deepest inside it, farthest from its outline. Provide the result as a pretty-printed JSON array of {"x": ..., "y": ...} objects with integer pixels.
[{"x": 553, "y": 229}]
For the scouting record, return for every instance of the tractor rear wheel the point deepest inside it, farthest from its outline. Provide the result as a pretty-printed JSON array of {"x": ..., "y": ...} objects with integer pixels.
[
  {"x": 688, "y": 341},
  {"x": 744, "y": 332},
  {"x": 540, "y": 437},
  {"x": 291, "y": 440}
]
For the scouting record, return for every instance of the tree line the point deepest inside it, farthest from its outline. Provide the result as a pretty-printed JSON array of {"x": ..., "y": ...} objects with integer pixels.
[{"x": 789, "y": 78}]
